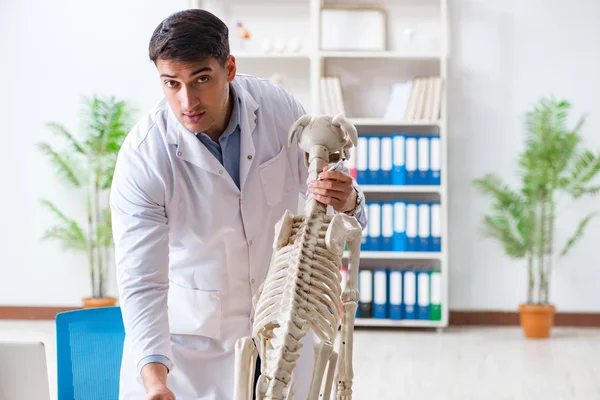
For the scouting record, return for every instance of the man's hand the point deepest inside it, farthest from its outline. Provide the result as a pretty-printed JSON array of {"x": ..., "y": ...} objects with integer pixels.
[
  {"x": 154, "y": 376},
  {"x": 334, "y": 188},
  {"x": 160, "y": 393}
]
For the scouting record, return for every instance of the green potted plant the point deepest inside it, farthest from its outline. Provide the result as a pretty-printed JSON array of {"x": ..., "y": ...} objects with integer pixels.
[
  {"x": 87, "y": 165},
  {"x": 553, "y": 169}
]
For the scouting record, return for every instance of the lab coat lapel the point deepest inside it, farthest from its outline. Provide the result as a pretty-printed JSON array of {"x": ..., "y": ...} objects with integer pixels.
[{"x": 248, "y": 124}]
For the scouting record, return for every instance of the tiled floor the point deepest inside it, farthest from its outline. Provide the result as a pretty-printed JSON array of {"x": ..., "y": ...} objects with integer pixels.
[{"x": 465, "y": 364}]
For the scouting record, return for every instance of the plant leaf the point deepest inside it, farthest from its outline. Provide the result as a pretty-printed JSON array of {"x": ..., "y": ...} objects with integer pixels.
[
  {"x": 578, "y": 233},
  {"x": 499, "y": 227},
  {"x": 59, "y": 129},
  {"x": 107, "y": 124},
  {"x": 511, "y": 221},
  {"x": 492, "y": 185},
  {"x": 50, "y": 206},
  {"x": 593, "y": 190},
  {"x": 68, "y": 236},
  {"x": 108, "y": 172},
  {"x": 65, "y": 168},
  {"x": 550, "y": 145},
  {"x": 68, "y": 231},
  {"x": 585, "y": 167}
]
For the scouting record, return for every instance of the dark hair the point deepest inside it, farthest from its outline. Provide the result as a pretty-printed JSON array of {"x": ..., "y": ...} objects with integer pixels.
[{"x": 190, "y": 35}]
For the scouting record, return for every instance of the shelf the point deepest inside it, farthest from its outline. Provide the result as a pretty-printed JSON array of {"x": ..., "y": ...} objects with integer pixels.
[
  {"x": 401, "y": 189},
  {"x": 269, "y": 56},
  {"x": 362, "y": 3},
  {"x": 389, "y": 122},
  {"x": 399, "y": 55},
  {"x": 332, "y": 54},
  {"x": 412, "y": 323},
  {"x": 398, "y": 255}
]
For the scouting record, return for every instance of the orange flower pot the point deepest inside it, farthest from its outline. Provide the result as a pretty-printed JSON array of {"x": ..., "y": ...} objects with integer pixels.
[
  {"x": 91, "y": 302},
  {"x": 536, "y": 320}
]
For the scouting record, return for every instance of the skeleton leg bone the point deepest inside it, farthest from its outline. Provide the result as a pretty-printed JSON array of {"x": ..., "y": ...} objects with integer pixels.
[
  {"x": 326, "y": 395},
  {"x": 245, "y": 360},
  {"x": 344, "y": 370},
  {"x": 345, "y": 227},
  {"x": 290, "y": 395},
  {"x": 322, "y": 354}
]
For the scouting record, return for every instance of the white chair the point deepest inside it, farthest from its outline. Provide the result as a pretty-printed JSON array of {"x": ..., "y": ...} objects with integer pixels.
[{"x": 23, "y": 371}]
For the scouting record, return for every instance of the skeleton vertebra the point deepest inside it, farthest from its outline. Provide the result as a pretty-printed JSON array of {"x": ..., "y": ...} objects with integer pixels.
[{"x": 302, "y": 290}]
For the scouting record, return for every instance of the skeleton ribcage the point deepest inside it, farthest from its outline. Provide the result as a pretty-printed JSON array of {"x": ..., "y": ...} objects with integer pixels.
[{"x": 304, "y": 274}]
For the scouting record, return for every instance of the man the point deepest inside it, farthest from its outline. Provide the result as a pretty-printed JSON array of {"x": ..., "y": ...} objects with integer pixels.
[{"x": 199, "y": 184}]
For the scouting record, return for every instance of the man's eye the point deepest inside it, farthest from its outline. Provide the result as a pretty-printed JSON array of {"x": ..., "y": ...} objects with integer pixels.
[
  {"x": 171, "y": 84},
  {"x": 203, "y": 79}
]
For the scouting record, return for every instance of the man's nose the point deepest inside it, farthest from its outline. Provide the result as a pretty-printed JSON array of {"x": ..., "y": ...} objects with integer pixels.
[{"x": 188, "y": 100}]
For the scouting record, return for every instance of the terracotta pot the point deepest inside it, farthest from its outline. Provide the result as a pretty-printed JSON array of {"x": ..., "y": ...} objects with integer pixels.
[
  {"x": 91, "y": 302},
  {"x": 536, "y": 320}
]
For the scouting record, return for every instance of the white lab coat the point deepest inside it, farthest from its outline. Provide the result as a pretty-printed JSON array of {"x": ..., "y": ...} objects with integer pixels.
[{"x": 182, "y": 228}]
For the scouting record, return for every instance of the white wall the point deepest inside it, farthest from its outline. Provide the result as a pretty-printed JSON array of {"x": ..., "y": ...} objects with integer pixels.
[
  {"x": 504, "y": 56},
  {"x": 54, "y": 52}
]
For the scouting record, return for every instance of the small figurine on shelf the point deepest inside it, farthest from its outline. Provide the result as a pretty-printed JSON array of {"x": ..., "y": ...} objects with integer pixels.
[
  {"x": 242, "y": 31},
  {"x": 242, "y": 34}
]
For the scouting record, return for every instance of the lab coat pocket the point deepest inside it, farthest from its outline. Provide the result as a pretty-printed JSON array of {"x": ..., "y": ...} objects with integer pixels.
[
  {"x": 194, "y": 311},
  {"x": 273, "y": 174}
]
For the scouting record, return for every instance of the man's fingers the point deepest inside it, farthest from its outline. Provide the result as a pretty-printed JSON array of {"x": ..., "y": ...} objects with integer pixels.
[
  {"x": 330, "y": 185},
  {"x": 162, "y": 393},
  {"x": 331, "y": 188},
  {"x": 335, "y": 176},
  {"x": 331, "y": 201},
  {"x": 337, "y": 195}
]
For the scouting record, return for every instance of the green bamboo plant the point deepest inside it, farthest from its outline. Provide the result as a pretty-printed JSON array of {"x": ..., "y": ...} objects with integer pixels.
[
  {"x": 553, "y": 168},
  {"x": 87, "y": 165}
]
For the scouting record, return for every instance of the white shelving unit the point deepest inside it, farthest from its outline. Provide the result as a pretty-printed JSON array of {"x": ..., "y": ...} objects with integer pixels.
[
  {"x": 398, "y": 255},
  {"x": 402, "y": 189},
  {"x": 267, "y": 56},
  {"x": 366, "y": 77},
  {"x": 376, "y": 122},
  {"x": 399, "y": 55},
  {"x": 403, "y": 323}
]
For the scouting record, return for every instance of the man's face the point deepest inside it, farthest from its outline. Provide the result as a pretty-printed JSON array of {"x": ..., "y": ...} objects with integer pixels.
[{"x": 198, "y": 92}]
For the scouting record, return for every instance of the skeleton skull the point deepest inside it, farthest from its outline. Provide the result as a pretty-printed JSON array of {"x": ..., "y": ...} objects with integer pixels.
[{"x": 326, "y": 135}]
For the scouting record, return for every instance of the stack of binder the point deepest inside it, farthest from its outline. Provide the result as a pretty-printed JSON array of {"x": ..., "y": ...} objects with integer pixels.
[
  {"x": 402, "y": 226},
  {"x": 397, "y": 294},
  {"x": 397, "y": 159}
]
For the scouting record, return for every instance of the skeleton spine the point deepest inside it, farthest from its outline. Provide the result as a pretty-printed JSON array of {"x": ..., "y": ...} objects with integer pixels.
[{"x": 291, "y": 330}]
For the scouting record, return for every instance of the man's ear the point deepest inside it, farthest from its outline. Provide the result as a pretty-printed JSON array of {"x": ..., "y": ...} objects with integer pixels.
[{"x": 231, "y": 68}]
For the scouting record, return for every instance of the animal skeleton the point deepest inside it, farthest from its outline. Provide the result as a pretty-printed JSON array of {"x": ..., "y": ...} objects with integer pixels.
[{"x": 302, "y": 289}]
